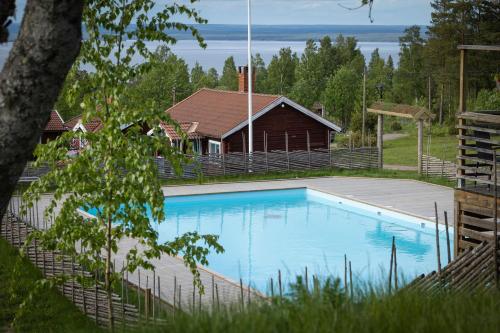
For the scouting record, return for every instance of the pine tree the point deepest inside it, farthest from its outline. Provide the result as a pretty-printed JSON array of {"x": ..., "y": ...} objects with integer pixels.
[{"x": 229, "y": 78}]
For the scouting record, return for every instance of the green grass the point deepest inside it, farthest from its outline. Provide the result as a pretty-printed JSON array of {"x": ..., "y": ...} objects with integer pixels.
[
  {"x": 47, "y": 311},
  {"x": 328, "y": 310},
  {"x": 404, "y": 151},
  {"x": 374, "y": 173}
]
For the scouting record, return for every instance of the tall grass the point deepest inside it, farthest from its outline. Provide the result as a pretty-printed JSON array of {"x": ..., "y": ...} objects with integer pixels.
[{"x": 327, "y": 308}]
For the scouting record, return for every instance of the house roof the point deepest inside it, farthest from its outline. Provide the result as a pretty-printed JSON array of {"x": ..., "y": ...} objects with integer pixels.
[
  {"x": 56, "y": 123},
  {"x": 190, "y": 128},
  {"x": 221, "y": 113},
  {"x": 90, "y": 126}
]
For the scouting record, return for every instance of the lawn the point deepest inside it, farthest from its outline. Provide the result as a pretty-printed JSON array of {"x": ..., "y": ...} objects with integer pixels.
[
  {"x": 404, "y": 151},
  {"x": 47, "y": 311}
]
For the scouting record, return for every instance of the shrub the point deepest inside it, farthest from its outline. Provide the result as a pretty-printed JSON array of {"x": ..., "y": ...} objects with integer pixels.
[{"x": 396, "y": 126}]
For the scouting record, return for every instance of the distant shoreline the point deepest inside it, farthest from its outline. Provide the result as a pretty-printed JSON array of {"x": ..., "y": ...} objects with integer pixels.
[{"x": 232, "y": 32}]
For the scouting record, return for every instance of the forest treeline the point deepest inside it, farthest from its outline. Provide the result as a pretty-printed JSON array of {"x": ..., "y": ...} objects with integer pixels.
[{"x": 330, "y": 72}]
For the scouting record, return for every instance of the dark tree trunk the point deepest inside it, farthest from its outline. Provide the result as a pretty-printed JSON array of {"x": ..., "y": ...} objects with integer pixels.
[{"x": 30, "y": 81}]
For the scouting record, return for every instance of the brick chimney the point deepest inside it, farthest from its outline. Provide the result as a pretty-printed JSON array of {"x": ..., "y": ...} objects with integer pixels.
[{"x": 243, "y": 79}]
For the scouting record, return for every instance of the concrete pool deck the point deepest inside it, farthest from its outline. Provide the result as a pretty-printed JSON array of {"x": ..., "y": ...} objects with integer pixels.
[{"x": 407, "y": 196}]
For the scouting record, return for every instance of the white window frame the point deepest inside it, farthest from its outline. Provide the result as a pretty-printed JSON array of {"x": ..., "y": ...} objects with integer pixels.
[{"x": 216, "y": 143}]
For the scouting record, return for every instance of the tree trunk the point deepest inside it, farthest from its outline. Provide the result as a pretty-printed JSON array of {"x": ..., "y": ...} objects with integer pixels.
[
  {"x": 31, "y": 79},
  {"x": 108, "y": 274}
]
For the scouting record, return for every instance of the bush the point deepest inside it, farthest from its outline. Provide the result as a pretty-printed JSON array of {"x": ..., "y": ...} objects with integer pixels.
[
  {"x": 396, "y": 126},
  {"x": 357, "y": 122}
]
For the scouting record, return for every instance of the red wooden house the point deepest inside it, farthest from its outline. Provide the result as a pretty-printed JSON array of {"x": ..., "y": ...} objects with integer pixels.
[{"x": 216, "y": 121}]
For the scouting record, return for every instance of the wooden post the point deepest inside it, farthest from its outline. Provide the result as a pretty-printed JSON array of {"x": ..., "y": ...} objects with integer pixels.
[
  {"x": 306, "y": 281},
  {"x": 461, "y": 102},
  {"x": 217, "y": 295},
  {"x": 272, "y": 288},
  {"x": 213, "y": 292},
  {"x": 461, "y": 109},
  {"x": 495, "y": 217},
  {"x": 391, "y": 264},
  {"x": 350, "y": 280},
  {"x": 287, "y": 155},
  {"x": 279, "y": 284},
  {"x": 241, "y": 295},
  {"x": 363, "y": 126},
  {"x": 346, "y": 283},
  {"x": 447, "y": 236},
  {"x": 380, "y": 140},
  {"x": 395, "y": 264},
  {"x": 147, "y": 302},
  {"x": 420, "y": 144},
  {"x": 430, "y": 94},
  {"x": 159, "y": 296},
  {"x": 309, "y": 149},
  {"x": 437, "y": 239},
  {"x": 329, "y": 148}
]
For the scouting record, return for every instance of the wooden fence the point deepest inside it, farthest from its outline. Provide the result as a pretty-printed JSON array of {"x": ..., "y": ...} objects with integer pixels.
[
  {"x": 274, "y": 161},
  {"x": 472, "y": 270},
  {"x": 91, "y": 300},
  {"x": 433, "y": 166}
]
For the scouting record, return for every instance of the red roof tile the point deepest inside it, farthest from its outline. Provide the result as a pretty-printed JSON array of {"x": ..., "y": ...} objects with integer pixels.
[
  {"x": 217, "y": 111},
  {"x": 190, "y": 128},
  {"x": 55, "y": 124}
]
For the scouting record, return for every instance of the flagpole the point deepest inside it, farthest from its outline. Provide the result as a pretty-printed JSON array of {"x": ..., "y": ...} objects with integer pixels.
[{"x": 250, "y": 81}]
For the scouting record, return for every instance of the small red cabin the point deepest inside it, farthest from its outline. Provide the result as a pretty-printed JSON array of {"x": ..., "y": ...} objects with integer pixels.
[{"x": 216, "y": 121}]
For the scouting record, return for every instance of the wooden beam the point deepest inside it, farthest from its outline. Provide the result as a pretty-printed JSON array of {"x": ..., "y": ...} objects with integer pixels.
[
  {"x": 390, "y": 113},
  {"x": 480, "y": 47},
  {"x": 481, "y": 117}
]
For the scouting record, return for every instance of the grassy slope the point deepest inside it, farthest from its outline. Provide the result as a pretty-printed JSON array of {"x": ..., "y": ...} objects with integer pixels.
[
  {"x": 48, "y": 311},
  {"x": 404, "y": 151}
]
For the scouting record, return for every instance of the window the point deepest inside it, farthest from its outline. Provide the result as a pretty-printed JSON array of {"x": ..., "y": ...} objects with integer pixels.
[
  {"x": 197, "y": 146},
  {"x": 213, "y": 147}
]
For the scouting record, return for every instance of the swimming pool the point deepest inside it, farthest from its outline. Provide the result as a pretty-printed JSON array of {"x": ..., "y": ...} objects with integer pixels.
[{"x": 266, "y": 231}]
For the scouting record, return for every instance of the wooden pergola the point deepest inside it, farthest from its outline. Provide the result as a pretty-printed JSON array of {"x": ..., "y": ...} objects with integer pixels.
[{"x": 418, "y": 114}]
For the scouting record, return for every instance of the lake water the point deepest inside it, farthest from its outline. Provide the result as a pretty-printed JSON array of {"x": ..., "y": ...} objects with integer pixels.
[{"x": 218, "y": 50}]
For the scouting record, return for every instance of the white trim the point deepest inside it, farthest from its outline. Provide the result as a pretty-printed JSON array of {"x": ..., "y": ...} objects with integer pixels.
[
  {"x": 290, "y": 103},
  {"x": 218, "y": 143},
  {"x": 62, "y": 121},
  {"x": 79, "y": 126}
]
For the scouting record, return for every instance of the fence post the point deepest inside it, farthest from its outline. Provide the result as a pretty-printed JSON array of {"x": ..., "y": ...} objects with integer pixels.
[
  {"x": 309, "y": 149},
  {"x": 330, "y": 148},
  {"x": 287, "y": 155}
]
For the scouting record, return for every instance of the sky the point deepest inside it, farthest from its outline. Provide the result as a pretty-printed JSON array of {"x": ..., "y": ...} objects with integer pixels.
[{"x": 385, "y": 12}]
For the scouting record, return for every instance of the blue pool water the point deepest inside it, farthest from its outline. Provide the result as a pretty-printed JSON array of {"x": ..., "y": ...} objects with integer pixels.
[{"x": 266, "y": 231}]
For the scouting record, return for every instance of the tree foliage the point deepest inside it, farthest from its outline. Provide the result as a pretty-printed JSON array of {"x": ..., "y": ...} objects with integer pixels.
[
  {"x": 341, "y": 97},
  {"x": 116, "y": 174},
  {"x": 229, "y": 78},
  {"x": 166, "y": 79},
  {"x": 281, "y": 72}
]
